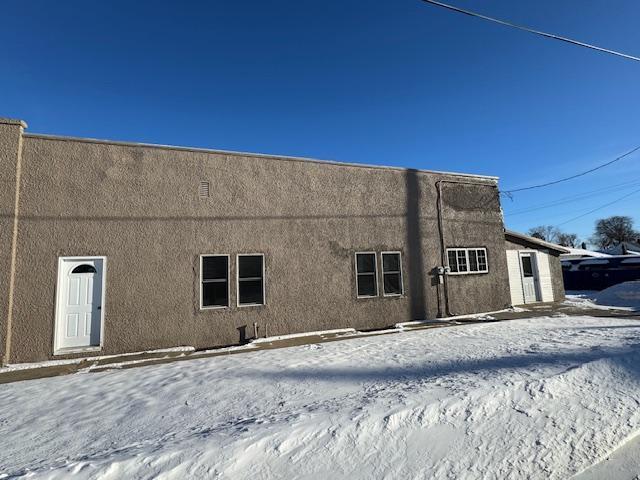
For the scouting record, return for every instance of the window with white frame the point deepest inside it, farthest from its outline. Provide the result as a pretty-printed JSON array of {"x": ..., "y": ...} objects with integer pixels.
[
  {"x": 214, "y": 281},
  {"x": 250, "y": 279},
  {"x": 467, "y": 260},
  {"x": 391, "y": 274},
  {"x": 366, "y": 274}
]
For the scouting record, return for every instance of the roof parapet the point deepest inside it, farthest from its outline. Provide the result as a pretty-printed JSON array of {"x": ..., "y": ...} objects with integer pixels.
[
  {"x": 13, "y": 121},
  {"x": 255, "y": 155}
]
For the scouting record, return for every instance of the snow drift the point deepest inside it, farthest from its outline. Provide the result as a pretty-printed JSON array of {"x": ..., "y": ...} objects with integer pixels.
[
  {"x": 622, "y": 295},
  {"x": 533, "y": 398}
]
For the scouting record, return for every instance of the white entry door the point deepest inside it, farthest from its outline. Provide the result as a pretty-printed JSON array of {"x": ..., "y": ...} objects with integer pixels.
[
  {"x": 79, "y": 305},
  {"x": 529, "y": 277}
]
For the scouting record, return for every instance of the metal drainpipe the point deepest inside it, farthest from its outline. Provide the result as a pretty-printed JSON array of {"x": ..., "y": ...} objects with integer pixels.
[
  {"x": 447, "y": 311},
  {"x": 443, "y": 253}
]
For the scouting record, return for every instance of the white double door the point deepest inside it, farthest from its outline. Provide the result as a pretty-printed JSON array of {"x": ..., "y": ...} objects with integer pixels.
[{"x": 79, "y": 310}]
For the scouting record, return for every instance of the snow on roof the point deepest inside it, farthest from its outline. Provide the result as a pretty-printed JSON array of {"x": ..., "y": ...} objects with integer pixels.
[
  {"x": 581, "y": 252},
  {"x": 595, "y": 261},
  {"x": 623, "y": 248}
]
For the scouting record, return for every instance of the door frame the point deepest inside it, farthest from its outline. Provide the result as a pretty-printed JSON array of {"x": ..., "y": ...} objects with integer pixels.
[
  {"x": 536, "y": 275},
  {"x": 60, "y": 301}
]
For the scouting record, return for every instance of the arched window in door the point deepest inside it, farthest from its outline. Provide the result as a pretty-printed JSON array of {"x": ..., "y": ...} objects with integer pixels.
[{"x": 84, "y": 269}]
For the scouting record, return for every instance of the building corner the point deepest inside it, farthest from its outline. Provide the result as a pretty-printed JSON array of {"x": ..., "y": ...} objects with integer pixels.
[{"x": 10, "y": 170}]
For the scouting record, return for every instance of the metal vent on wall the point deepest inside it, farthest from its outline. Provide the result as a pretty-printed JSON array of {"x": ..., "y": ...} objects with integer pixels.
[{"x": 203, "y": 190}]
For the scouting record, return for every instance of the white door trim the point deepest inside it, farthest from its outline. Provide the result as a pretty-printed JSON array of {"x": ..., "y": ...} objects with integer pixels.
[
  {"x": 60, "y": 302},
  {"x": 536, "y": 274}
]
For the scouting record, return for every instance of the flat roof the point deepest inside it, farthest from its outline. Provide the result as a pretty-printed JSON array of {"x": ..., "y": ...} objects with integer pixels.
[{"x": 249, "y": 154}]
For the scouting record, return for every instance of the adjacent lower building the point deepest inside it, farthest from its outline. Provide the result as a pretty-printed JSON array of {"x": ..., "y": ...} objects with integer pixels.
[
  {"x": 112, "y": 247},
  {"x": 535, "y": 269}
]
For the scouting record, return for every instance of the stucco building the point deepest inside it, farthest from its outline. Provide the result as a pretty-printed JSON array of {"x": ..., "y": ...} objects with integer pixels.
[{"x": 110, "y": 247}]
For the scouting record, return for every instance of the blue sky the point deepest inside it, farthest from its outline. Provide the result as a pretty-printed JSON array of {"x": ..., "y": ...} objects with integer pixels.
[{"x": 395, "y": 82}]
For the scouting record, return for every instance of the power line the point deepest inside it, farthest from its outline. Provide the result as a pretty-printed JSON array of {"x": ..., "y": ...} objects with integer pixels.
[
  {"x": 531, "y": 30},
  {"x": 599, "y": 208},
  {"x": 575, "y": 198},
  {"x": 617, "y": 159}
]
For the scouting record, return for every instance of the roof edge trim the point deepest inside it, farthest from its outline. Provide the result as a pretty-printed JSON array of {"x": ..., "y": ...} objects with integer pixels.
[{"x": 536, "y": 241}]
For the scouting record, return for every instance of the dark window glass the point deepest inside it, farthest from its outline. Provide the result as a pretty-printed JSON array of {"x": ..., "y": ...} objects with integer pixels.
[
  {"x": 527, "y": 267},
  {"x": 367, "y": 285},
  {"x": 473, "y": 261},
  {"x": 462, "y": 260},
  {"x": 214, "y": 268},
  {"x": 366, "y": 274},
  {"x": 392, "y": 284},
  {"x": 84, "y": 269},
  {"x": 215, "y": 294},
  {"x": 215, "y": 281},
  {"x": 366, "y": 262},
  {"x": 453, "y": 260},
  {"x": 482, "y": 260},
  {"x": 391, "y": 262},
  {"x": 250, "y": 280},
  {"x": 250, "y": 292},
  {"x": 391, "y": 274},
  {"x": 250, "y": 266}
]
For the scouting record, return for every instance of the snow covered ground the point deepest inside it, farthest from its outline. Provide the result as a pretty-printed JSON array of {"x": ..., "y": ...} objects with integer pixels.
[
  {"x": 533, "y": 398},
  {"x": 623, "y": 296}
]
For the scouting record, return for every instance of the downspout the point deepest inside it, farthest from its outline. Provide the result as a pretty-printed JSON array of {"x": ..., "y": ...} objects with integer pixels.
[
  {"x": 443, "y": 253},
  {"x": 14, "y": 249}
]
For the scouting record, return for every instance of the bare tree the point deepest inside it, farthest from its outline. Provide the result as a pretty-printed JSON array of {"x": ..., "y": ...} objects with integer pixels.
[
  {"x": 547, "y": 233},
  {"x": 567, "y": 239},
  {"x": 614, "y": 230},
  {"x": 552, "y": 234}
]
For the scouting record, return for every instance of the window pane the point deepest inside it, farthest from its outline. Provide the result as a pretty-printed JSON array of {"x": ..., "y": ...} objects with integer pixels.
[
  {"x": 391, "y": 262},
  {"x": 453, "y": 262},
  {"x": 392, "y": 284},
  {"x": 527, "y": 268},
  {"x": 482, "y": 260},
  {"x": 366, "y": 262},
  {"x": 473, "y": 261},
  {"x": 462, "y": 260},
  {"x": 250, "y": 266},
  {"x": 214, "y": 268},
  {"x": 250, "y": 292},
  {"x": 215, "y": 294},
  {"x": 367, "y": 285},
  {"x": 84, "y": 269}
]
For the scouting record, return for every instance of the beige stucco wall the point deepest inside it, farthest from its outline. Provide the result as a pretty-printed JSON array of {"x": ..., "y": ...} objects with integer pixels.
[{"x": 139, "y": 207}]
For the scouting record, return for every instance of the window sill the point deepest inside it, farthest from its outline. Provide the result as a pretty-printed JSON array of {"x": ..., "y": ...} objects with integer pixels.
[
  {"x": 467, "y": 273},
  {"x": 67, "y": 351}
]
